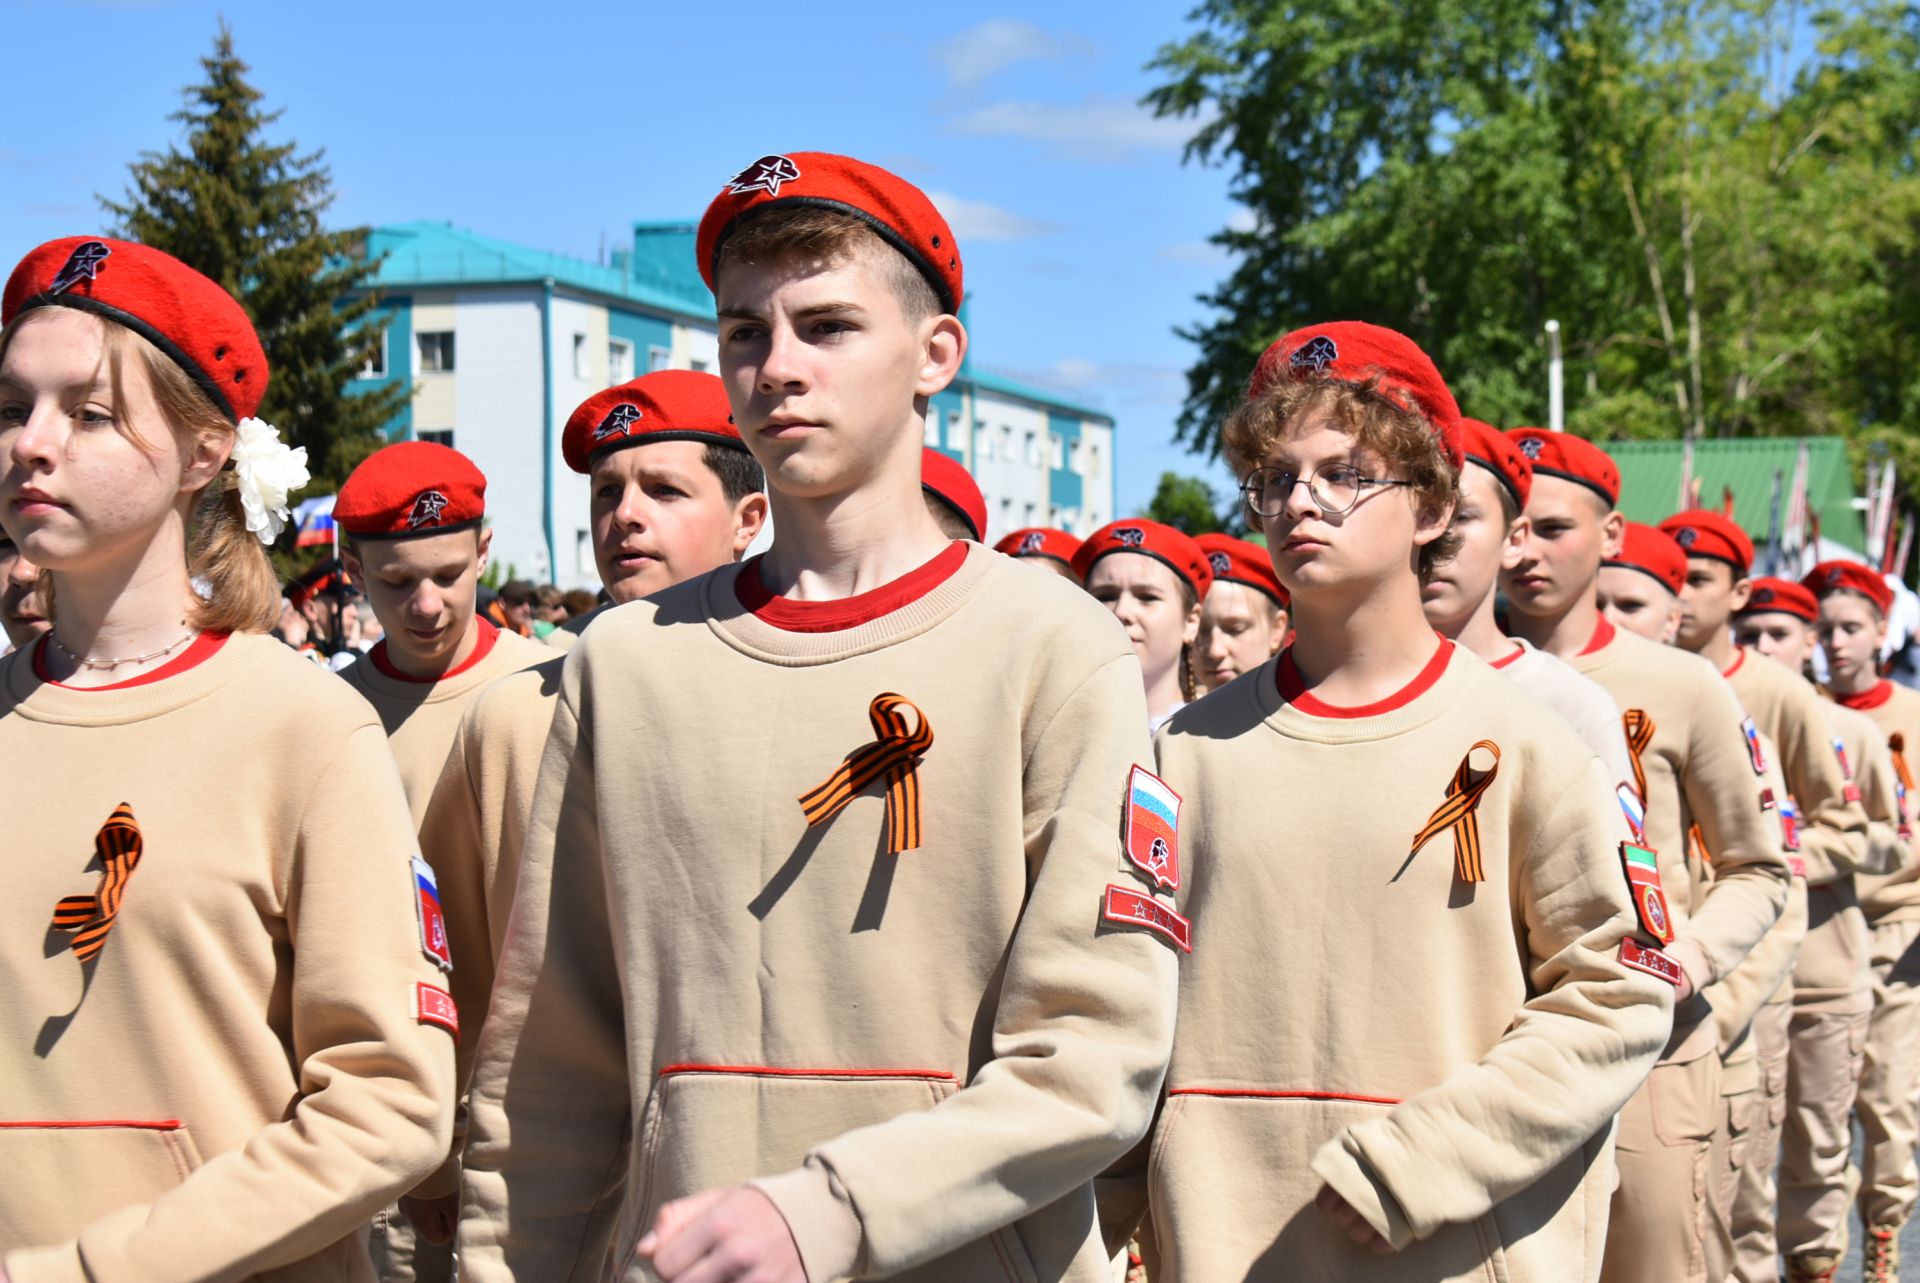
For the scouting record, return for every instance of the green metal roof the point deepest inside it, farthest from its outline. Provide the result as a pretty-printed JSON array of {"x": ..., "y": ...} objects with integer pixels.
[{"x": 1650, "y": 481}]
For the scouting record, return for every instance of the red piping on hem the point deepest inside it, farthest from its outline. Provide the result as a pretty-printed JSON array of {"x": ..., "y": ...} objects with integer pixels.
[
  {"x": 771, "y": 1072},
  {"x": 163, "y": 1125},
  {"x": 1264, "y": 1094}
]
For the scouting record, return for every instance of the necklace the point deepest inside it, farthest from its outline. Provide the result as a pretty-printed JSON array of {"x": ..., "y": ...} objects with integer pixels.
[{"x": 110, "y": 664}]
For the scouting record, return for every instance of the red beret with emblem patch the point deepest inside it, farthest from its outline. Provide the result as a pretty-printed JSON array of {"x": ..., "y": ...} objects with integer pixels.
[
  {"x": 1703, "y": 533},
  {"x": 1850, "y": 576},
  {"x": 667, "y": 405},
  {"x": 411, "y": 488},
  {"x": 1781, "y": 596},
  {"x": 898, "y": 212},
  {"x": 1359, "y": 353},
  {"x": 1652, "y": 551},
  {"x": 1570, "y": 458},
  {"x": 1236, "y": 561},
  {"x": 947, "y": 479},
  {"x": 1164, "y": 544},
  {"x": 1040, "y": 541},
  {"x": 198, "y": 325},
  {"x": 1501, "y": 455}
]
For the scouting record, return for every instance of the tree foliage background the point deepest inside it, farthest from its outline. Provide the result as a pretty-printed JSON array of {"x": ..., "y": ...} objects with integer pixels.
[
  {"x": 249, "y": 213},
  {"x": 1717, "y": 199}
]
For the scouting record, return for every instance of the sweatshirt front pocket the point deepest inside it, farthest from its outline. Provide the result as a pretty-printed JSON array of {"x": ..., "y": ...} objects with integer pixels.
[{"x": 68, "y": 1173}]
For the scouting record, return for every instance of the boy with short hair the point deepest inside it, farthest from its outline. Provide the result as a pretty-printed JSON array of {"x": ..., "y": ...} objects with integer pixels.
[
  {"x": 1692, "y": 766},
  {"x": 1443, "y": 889},
  {"x": 1243, "y": 618},
  {"x": 1639, "y": 584},
  {"x": 1831, "y": 998},
  {"x": 1489, "y": 519},
  {"x": 1853, "y": 603},
  {"x": 953, "y": 496},
  {"x": 822, "y": 963}
]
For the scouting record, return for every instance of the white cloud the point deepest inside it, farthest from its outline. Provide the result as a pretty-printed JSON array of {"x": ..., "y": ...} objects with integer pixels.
[
  {"x": 1199, "y": 253},
  {"x": 982, "y": 52},
  {"x": 974, "y": 220},
  {"x": 1243, "y": 220},
  {"x": 1117, "y": 383},
  {"x": 1094, "y": 128}
]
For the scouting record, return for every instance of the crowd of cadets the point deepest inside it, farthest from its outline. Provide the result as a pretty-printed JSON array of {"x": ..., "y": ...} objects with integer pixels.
[{"x": 1497, "y": 896}]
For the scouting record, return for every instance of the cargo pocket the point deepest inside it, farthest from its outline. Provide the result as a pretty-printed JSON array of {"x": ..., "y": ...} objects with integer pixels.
[
  {"x": 84, "y": 1169},
  {"x": 1743, "y": 1115},
  {"x": 1685, "y": 1100}
]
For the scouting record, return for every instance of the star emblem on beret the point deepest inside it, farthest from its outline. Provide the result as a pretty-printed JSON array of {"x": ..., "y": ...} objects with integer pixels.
[
  {"x": 1032, "y": 541},
  {"x": 83, "y": 264},
  {"x": 1532, "y": 446},
  {"x": 1315, "y": 354},
  {"x": 1220, "y": 563},
  {"x": 1686, "y": 536},
  {"x": 764, "y": 175},
  {"x": 619, "y": 421},
  {"x": 427, "y": 508},
  {"x": 1130, "y": 537}
]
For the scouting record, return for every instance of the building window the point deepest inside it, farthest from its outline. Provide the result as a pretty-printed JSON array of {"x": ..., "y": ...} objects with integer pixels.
[
  {"x": 1056, "y": 451},
  {"x": 983, "y": 445},
  {"x": 658, "y": 358},
  {"x": 436, "y": 350},
  {"x": 1089, "y": 459},
  {"x": 698, "y": 367},
  {"x": 619, "y": 362},
  {"x": 583, "y": 563},
  {"x": 580, "y": 361},
  {"x": 438, "y": 436},
  {"x": 956, "y": 432},
  {"x": 1033, "y": 449},
  {"x": 376, "y": 366},
  {"x": 1054, "y": 518},
  {"x": 931, "y": 434},
  {"x": 1006, "y": 444},
  {"x": 1033, "y": 511}
]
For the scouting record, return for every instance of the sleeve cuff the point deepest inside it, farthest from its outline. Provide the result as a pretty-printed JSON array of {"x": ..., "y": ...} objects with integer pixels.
[
  {"x": 820, "y": 1216},
  {"x": 1354, "y": 1181},
  {"x": 56, "y": 1264},
  {"x": 442, "y": 1183},
  {"x": 1699, "y": 967}
]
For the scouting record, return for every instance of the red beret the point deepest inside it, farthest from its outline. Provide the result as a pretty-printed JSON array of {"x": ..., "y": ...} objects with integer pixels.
[
  {"x": 947, "y": 479},
  {"x": 1570, "y": 458},
  {"x": 165, "y": 302},
  {"x": 1850, "y": 576},
  {"x": 898, "y": 212},
  {"x": 1499, "y": 454},
  {"x": 1701, "y": 533},
  {"x": 1150, "y": 539},
  {"x": 411, "y": 488},
  {"x": 325, "y": 577},
  {"x": 1782, "y": 596},
  {"x": 1355, "y": 352},
  {"x": 1235, "y": 561},
  {"x": 1652, "y": 551},
  {"x": 667, "y": 405},
  {"x": 1040, "y": 541}
]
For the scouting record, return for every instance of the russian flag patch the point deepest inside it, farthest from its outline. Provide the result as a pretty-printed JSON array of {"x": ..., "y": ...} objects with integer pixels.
[
  {"x": 433, "y": 920},
  {"x": 1152, "y": 829},
  {"x": 1754, "y": 751}
]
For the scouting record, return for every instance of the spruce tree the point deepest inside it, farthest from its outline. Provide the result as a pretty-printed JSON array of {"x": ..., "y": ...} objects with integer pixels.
[{"x": 248, "y": 213}]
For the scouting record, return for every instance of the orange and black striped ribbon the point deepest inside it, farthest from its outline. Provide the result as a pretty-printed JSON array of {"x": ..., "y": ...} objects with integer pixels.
[
  {"x": 1699, "y": 841},
  {"x": 1456, "y": 813},
  {"x": 892, "y": 757},
  {"x": 91, "y": 917},
  {"x": 1639, "y": 728},
  {"x": 1898, "y": 743}
]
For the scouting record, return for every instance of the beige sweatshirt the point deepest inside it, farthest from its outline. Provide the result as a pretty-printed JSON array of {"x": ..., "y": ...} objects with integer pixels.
[
  {"x": 1833, "y": 970},
  {"x": 923, "y": 1058},
  {"x": 1895, "y": 897},
  {"x": 420, "y": 716},
  {"x": 242, "y": 1077},
  {"x": 1447, "y": 1054},
  {"x": 1582, "y": 701},
  {"x": 1698, "y": 770}
]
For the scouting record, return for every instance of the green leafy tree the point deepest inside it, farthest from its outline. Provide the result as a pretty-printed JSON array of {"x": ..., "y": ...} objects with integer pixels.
[
  {"x": 1188, "y": 504},
  {"x": 249, "y": 213}
]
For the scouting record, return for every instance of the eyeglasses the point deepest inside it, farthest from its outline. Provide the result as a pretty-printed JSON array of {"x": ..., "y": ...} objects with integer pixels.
[{"x": 1334, "y": 488}]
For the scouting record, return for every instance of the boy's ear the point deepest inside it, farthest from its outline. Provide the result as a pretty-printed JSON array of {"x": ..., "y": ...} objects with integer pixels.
[
  {"x": 350, "y": 562},
  {"x": 1516, "y": 546},
  {"x": 749, "y": 516},
  {"x": 1430, "y": 522},
  {"x": 1613, "y": 534},
  {"x": 1742, "y": 592},
  {"x": 486, "y": 548},
  {"x": 943, "y": 348}
]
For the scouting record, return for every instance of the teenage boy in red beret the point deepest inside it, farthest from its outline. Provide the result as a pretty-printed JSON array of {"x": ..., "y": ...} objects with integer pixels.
[
  {"x": 1853, "y": 605},
  {"x": 1693, "y": 766},
  {"x": 953, "y": 497},
  {"x": 1243, "y": 621},
  {"x": 1830, "y": 993},
  {"x": 823, "y": 963},
  {"x": 1489, "y": 521},
  {"x": 1432, "y": 865},
  {"x": 1044, "y": 547},
  {"x": 1640, "y": 583}
]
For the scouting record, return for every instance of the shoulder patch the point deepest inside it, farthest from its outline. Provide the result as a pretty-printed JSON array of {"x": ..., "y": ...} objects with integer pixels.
[
  {"x": 1789, "y": 825},
  {"x": 1642, "y": 866},
  {"x": 433, "y": 920},
  {"x": 1634, "y": 809},
  {"x": 1129, "y": 908},
  {"x": 1754, "y": 751},
  {"x": 433, "y": 1005},
  {"x": 1652, "y": 961},
  {"x": 1152, "y": 828}
]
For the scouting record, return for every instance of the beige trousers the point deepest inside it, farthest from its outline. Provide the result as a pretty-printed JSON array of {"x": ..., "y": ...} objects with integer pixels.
[
  {"x": 1671, "y": 1145},
  {"x": 400, "y": 1255},
  {"x": 1755, "y": 1249},
  {"x": 1890, "y": 1078},
  {"x": 1824, "y": 1053}
]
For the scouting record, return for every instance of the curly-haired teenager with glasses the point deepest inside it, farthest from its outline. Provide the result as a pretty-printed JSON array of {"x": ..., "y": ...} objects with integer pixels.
[{"x": 1425, "y": 992}]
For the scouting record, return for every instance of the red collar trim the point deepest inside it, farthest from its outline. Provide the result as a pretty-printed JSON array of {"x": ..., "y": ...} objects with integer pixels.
[
  {"x": 1504, "y": 660},
  {"x": 1869, "y": 698},
  {"x": 848, "y": 612},
  {"x": 1601, "y": 636},
  {"x": 1739, "y": 658},
  {"x": 1295, "y": 693},
  {"x": 489, "y": 634},
  {"x": 203, "y": 648}
]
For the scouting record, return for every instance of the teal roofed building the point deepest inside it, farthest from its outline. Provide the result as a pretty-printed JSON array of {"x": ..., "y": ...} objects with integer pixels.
[{"x": 500, "y": 342}]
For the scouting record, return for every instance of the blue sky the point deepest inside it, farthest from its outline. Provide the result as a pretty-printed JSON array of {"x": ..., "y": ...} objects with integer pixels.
[{"x": 556, "y": 125}]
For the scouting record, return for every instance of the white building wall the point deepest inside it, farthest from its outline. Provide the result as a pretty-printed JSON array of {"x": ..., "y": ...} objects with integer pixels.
[
  {"x": 436, "y": 402},
  {"x": 571, "y": 493},
  {"x": 696, "y": 349},
  {"x": 496, "y": 382},
  {"x": 1015, "y": 478},
  {"x": 1093, "y": 460}
]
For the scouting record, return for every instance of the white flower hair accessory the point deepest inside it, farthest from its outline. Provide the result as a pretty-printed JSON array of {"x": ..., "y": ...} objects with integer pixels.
[{"x": 266, "y": 472}]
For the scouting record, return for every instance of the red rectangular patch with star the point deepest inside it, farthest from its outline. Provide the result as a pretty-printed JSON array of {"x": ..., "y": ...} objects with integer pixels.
[
  {"x": 1152, "y": 830},
  {"x": 435, "y": 1006},
  {"x": 1129, "y": 908},
  {"x": 1652, "y": 961}
]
